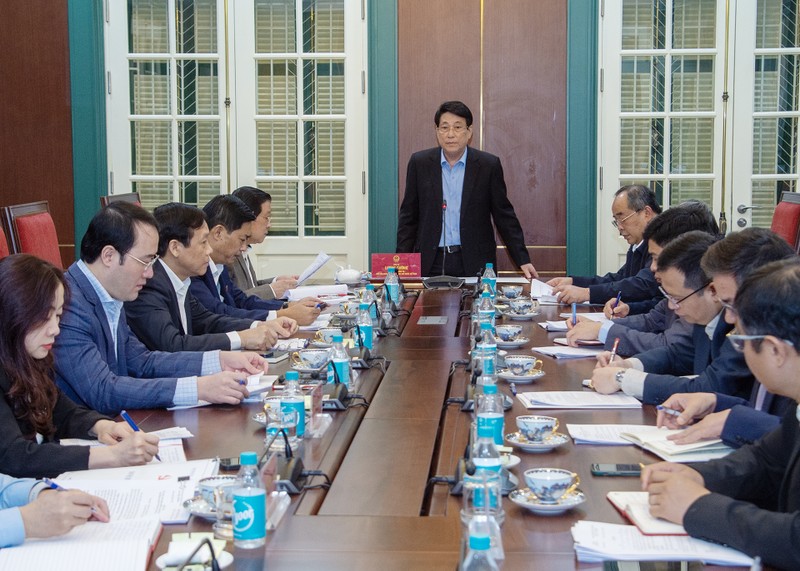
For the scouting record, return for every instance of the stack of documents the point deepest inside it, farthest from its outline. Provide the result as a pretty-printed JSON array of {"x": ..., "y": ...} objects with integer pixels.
[
  {"x": 598, "y": 316},
  {"x": 655, "y": 440},
  {"x": 543, "y": 292},
  {"x": 561, "y": 352},
  {"x": 596, "y": 541},
  {"x": 553, "y": 325},
  {"x": 577, "y": 399},
  {"x": 603, "y": 434}
]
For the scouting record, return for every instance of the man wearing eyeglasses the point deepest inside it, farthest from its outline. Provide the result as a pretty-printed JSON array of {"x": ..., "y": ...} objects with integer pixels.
[
  {"x": 749, "y": 500},
  {"x": 633, "y": 208},
  {"x": 98, "y": 361},
  {"x": 466, "y": 188},
  {"x": 736, "y": 421},
  {"x": 653, "y": 376}
]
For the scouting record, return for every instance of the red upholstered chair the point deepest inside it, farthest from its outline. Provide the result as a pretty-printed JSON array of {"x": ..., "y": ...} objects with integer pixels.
[
  {"x": 3, "y": 244},
  {"x": 32, "y": 231},
  {"x": 786, "y": 220},
  {"x": 129, "y": 197}
]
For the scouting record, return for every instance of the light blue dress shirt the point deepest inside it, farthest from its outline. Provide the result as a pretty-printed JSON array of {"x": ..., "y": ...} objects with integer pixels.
[
  {"x": 452, "y": 187},
  {"x": 15, "y": 492}
]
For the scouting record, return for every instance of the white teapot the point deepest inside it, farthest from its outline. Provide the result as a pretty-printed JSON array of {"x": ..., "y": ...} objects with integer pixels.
[{"x": 347, "y": 275}]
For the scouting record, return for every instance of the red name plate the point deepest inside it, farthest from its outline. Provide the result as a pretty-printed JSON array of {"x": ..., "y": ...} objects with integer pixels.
[{"x": 408, "y": 265}]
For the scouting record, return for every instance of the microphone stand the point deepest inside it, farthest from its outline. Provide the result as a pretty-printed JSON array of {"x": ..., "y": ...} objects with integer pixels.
[{"x": 443, "y": 281}]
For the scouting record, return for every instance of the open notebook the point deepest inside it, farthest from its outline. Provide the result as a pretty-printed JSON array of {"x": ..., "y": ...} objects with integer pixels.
[
  {"x": 635, "y": 507},
  {"x": 655, "y": 440}
]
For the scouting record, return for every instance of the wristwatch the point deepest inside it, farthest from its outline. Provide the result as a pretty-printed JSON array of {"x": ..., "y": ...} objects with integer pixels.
[
  {"x": 619, "y": 376},
  {"x": 285, "y": 305}
]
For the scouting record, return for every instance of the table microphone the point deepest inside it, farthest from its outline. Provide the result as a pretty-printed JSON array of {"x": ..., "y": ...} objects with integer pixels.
[{"x": 443, "y": 281}]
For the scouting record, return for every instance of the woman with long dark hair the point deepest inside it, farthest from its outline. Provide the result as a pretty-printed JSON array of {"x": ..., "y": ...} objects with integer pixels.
[{"x": 34, "y": 413}]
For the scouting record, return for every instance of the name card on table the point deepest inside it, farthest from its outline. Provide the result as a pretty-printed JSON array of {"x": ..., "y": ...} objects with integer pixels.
[{"x": 408, "y": 265}]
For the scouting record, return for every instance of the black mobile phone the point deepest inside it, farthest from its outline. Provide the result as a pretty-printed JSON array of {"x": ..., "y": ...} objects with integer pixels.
[
  {"x": 616, "y": 469},
  {"x": 229, "y": 464}
]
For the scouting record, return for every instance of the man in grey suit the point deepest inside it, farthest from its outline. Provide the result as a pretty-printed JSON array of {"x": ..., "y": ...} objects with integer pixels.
[
  {"x": 241, "y": 270},
  {"x": 466, "y": 187},
  {"x": 99, "y": 362}
]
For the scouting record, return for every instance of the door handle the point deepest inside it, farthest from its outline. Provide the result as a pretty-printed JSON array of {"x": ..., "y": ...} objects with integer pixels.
[{"x": 741, "y": 209}]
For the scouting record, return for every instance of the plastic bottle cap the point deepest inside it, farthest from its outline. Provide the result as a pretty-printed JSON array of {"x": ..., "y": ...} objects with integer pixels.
[
  {"x": 485, "y": 325},
  {"x": 490, "y": 265},
  {"x": 490, "y": 389},
  {"x": 363, "y": 305},
  {"x": 337, "y": 338},
  {"x": 370, "y": 287},
  {"x": 480, "y": 543},
  {"x": 292, "y": 376},
  {"x": 485, "y": 294},
  {"x": 485, "y": 431},
  {"x": 248, "y": 458},
  {"x": 391, "y": 270}
]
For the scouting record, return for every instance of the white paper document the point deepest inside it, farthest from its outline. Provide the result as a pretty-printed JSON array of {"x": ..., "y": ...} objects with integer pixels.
[
  {"x": 169, "y": 449},
  {"x": 551, "y": 326},
  {"x": 655, "y": 440},
  {"x": 321, "y": 259},
  {"x": 577, "y": 399},
  {"x": 321, "y": 291},
  {"x": 190, "y": 471},
  {"x": 543, "y": 292},
  {"x": 597, "y": 541},
  {"x": 598, "y": 316},
  {"x": 604, "y": 434},
  {"x": 322, "y": 320},
  {"x": 561, "y": 352}
]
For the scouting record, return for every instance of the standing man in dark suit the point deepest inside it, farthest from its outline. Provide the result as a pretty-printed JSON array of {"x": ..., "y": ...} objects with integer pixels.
[
  {"x": 749, "y": 500},
  {"x": 466, "y": 187}
]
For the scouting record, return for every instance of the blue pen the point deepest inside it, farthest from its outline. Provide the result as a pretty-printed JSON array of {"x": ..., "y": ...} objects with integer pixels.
[
  {"x": 574, "y": 313},
  {"x": 616, "y": 303},
  {"x": 126, "y": 417},
  {"x": 670, "y": 411},
  {"x": 53, "y": 485}
]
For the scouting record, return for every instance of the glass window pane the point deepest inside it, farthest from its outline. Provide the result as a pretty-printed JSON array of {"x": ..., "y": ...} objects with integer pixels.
[
  {"x": 692, "y": 145},
  {"x": 197, "y": 87},
  {"x": 147, "y": 26},
  {"x": 643, "y": 24},
  {"x": 693, "y": 83},
  {"x": 776, "y": 86},
  {"x": 151, "y": 147},
  {"x": 682, "y": 190},
  {"x": 766, "y": 194},
  {"x": 642, "y": 83},
  {"x": 198, "y": 148},
  {"x": 153, "y": 193},
  {"x": 275, "y": 27},
  {"x": 641, "y": 146},
  {"x": 196, "y": 26},
  {"x": 774, "y": 145},
  {"x": 323, "y": 87},
  {"x": 323, "y": 26},
  {"x": 277, "y": 87},
  {"x": 284, "y": 206},
  {"x": 324, "y": 144},
  {"x": 149, "y": 87},
  {"x": 776, "y": 24},
  {"x": 198, "y": 193},
  {"x": 277, "y": 148},
  {"x": 694, "y": 23},
  {"x": 324, "y": 213}
]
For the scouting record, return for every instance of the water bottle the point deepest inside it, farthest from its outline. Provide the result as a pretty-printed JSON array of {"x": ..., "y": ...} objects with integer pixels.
[
  {"x": 486, "y": 309},
  {"x": 484, "y": 452},
  {"x": 489, "y": 279},
  {"x": 293, "y": 403},
  {"x": 490, "y": 411},
  {"x": 479, "y": 556},
  {"x": 486, "y": 349},
  {"x": 249, "y": 505},
  {"x": 364, "y": 327},
  {"x": 339, "y": 365},
  {"x": 391, "y": 286},
  {"x": 369, "y": 298}
]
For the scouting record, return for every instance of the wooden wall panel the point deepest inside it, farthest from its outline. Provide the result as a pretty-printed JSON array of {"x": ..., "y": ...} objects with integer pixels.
[
  {"x": 35, "y": 115},
  {"x": 524, "y": 100}
]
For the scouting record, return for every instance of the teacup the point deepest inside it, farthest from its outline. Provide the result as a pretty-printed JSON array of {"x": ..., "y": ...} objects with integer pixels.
[
  {"x": 511, "y": 291},
  {"x": 524, "y": 305},
  {"x": 349, "y": 307},
  {"x": 520, "y": 365},
  {"x": 551, "y": 484},
  {"x": 325, "y": 335},
  {"x": 536, "y": 428},
  {"x": 310, "y": 358},
  {"x": 207, "y": 487},
  {"x": 508, "y": 332}
]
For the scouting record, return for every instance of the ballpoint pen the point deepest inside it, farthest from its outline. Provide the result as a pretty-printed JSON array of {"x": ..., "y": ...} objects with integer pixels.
[
  {"x": 669, "y": 411},
  {"x": 59, "y": 488},
  {"x": 616, "y": 303},
  {"x": 574, "y": 314},
  {"x": 127, "y": 418},
  {"x": 614, "y": 350}
]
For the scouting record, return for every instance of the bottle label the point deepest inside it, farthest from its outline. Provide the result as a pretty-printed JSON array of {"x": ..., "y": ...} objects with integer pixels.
[
  {"x": 496, "y": 422},
  {"x": 295, "y": 406},
  {"x": 481, "y": 492},
  {"x": 373, "y": 311},
  {"x": 249, "y": 514},
  {"x": 394, "y": 292},
  {"x": 486, "y": 316},
  {"x": 492, "y": 283},
  {"x": 488, "y": 365},
  {"x": 365, "y": 336},
  {"x": 491, "y": 464},
  {"x": 342, "y": 371}
]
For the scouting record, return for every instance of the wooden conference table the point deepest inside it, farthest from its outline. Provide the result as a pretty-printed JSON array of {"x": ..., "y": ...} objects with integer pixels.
[{"x": 380, "y": 512}]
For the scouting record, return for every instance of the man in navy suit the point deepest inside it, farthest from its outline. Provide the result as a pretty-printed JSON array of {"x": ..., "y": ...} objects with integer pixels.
[
  {"x": 99, "y": 362},
  {"x": 749, "y": 500},
  {"x": 737, "y": 421},
  {"x": 633, "y": 208},
  {"x": 471, "y": 185},
  {"x": 167, "y": 317},
  {"x": 230, "y": 222},
  {"x": 655, "y": 375}
]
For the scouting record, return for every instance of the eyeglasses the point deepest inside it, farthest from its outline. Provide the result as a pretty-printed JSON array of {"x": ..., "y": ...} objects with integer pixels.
[
  {"x": 737, "y": 341},
  {"x": 677, "y": 302},
  {"x": 728, "y": 306},
  {"x": 457, "y": 129},
  {"x": 147, "y": 265},
  {"x": 617, "y": 223}
]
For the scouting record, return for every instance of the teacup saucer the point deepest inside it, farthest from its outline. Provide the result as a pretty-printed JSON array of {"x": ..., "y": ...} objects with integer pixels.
[
  {"x": 550, "y": 442},
  {"x": 521, "y": 316},
  {"x": 509, "y": 460},
  {"x": 342, "y": 316},
  {"x": 507, "y": 375},
  {"x": 527, "y": 499},
  {"x": 201, "y": 508},
  {"x": 513, "y": 344},
  {"x": 303, "y": 370},
  {"x": 320, "y": 344}
]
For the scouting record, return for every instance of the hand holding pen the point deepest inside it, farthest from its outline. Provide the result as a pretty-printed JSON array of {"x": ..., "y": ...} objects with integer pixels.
[
  {"x": 616, "y": 303},
  {"x": 614, "y": 351},
  {"x": 126, "y": 417}
]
